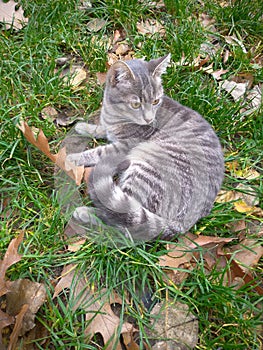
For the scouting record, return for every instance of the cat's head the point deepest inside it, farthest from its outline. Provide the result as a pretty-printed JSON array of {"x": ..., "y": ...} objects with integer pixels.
[{"x": 134, "y": 90}]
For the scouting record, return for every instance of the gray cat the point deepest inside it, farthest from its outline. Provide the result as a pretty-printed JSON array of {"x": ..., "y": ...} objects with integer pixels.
[{"x": 164, "y": 166}]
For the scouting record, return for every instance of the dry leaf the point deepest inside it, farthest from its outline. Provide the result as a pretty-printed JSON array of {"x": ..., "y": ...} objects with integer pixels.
[
  {"x": 122, "y": 49},
  {"x": 235, "y": 42},
  {"x": 40, "y": 141},
  {"x": 49, "y": 113},
  {"x": 247, "y": 253},
  {"x": 60, "y": 159},
  {"x": 236, "y": 90},
  {"x": 97, "y": 307},
  {"x": 24, "y": 291},
  {"x": 207, "y": 22},
  {"x": 242, "y": 207},
  {"x": 96, "y": 24},
  {"x": 101, "y": 77},
  {"x": 182, "y": 254},
  {"x": 254, "y": 99},
  {"x": 150, "y": 27},
  {"x": 129, "y": 342},
  {"x": 5, "y": 320},
  {"x": 17, "y": 328},
  {"x": 173, "y": 321},
  {"x": 217, "y": 73},
  {"x": 11, "y": 15},
  {"x": 11, "y": 257},
  {"x": 236, "y": 170}
]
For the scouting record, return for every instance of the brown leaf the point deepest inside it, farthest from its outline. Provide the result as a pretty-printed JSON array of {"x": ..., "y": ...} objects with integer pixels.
[
  {"x": 49, "y": 113},
  {"x": 182, "y": 254},
  {"x": 96, "y": 24},
  {"x": 122, "y": 49},
  {"x": 75, "y": 172},
  {"x": 5, "y": 320},
  {"x": 247, "y": 253},
  {"x": 41, "y": 142},
  {"x": 21, "y": 292},
  {"x": 237, "y": 271},
  {"x": 17, "y": 328},
  {"x": 97, "y": 307},
  {"x": 11, "y": 15},
  {"x": 101, "y": 77},
  {"x": 150, "y": 27},
  {"x": 129, "y": 342},
  {"x": 11, "y": 257},
  {"x": 174, "y": 321}
]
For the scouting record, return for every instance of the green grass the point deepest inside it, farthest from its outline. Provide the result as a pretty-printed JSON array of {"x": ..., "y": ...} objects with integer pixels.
[{"x": 228, "y": 318}]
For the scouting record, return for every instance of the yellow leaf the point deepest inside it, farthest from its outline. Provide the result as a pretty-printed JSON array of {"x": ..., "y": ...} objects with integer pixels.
[{"x": 242, "y": 207}]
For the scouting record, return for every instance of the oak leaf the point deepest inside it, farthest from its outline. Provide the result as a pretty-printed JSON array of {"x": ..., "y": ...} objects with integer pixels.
[
  {"x": 11, "y": 257},
  {"x": 99, "y": 315},
  {"x": 60, "y": 159}
]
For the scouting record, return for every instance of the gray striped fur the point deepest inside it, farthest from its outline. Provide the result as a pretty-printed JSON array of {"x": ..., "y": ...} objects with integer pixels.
[{"x": 164, "y": 166}]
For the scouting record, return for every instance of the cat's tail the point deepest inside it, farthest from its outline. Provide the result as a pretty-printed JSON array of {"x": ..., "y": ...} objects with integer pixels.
[{"x": 122, "y": 210}]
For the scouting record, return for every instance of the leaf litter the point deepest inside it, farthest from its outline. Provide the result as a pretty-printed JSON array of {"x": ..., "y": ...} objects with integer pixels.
[
  {"x": 20, "y": 299},
  {"x": 99, "y": 315}
]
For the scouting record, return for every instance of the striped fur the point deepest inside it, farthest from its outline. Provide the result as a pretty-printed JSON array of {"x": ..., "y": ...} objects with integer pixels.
[{"x": 164, "y": 166}]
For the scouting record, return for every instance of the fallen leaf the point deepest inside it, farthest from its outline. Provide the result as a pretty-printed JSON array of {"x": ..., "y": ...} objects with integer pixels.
[
  {"x": 174, "y": 322},
  {"x": 12, "y": 15},
  {"x": 207, "y": 22},
  {"x": 247, "y": 253},
  {"x": 11, "y": 257},
  {"x": 5, "y": 320},
  {"x": 21, "y": 292},
  {"x": 217, "y": 73},
  {"x": 96, "y": 24},
  {"x": 122, "y": 49},
  {"x": 254, "y": 100},
  {"x": 40, "y": 141},
  {"x": 150, "y": 27},
  {"x": 242, "y": 207},
  {"x": 237, "y": 226},
  {"x": 49, "y": 113},
  {"x": 60, "y": 159},
  {"x": 180, "y": 255},
  {"x": 129, "y": 342},
  {"x": 245, "y": 277},
  {"x": 101, "y": 77},
  {"x": 99, "y": 315},
  {"x": 236, "y": 170},
  {"x": 232, "y": 40},
  {"x": 74, "y": 75},
  {"x": 18, "y": 324},
  {"x": 236, "y": 90},
  {"x": 119, "y": 35}
]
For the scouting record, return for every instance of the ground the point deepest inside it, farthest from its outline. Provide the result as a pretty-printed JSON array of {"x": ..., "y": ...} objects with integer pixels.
[{"x": 52, "y": 75}]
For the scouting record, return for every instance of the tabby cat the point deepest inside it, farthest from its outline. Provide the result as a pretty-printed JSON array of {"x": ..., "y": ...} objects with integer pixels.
[{"x": 164, "y": 165}]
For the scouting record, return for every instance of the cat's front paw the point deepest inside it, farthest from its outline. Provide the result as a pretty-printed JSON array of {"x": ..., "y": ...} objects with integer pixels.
[
  {"x": 76, "y": 158},
  {"x": 86, "y": 158},
  {"x": 90, "y": 130}
]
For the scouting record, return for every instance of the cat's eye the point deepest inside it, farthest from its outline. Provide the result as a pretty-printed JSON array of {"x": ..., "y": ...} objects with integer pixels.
[
  {"x": 136, "y": 105},
  {"x": 155, "y": 102}
]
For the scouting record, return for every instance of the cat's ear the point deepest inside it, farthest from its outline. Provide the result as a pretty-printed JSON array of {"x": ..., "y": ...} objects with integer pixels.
[
  {"x": 118, "y": 72},
  {"x": 158, "y": 66}
]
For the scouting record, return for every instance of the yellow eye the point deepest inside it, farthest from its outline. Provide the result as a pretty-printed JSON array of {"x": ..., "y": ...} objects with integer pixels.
[
  {"x": 155, "y": 102},
  {"x": 136, "y": 105}
]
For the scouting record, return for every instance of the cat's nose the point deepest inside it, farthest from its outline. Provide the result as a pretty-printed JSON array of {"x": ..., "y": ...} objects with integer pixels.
[{"x": 148, "y": 116}]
